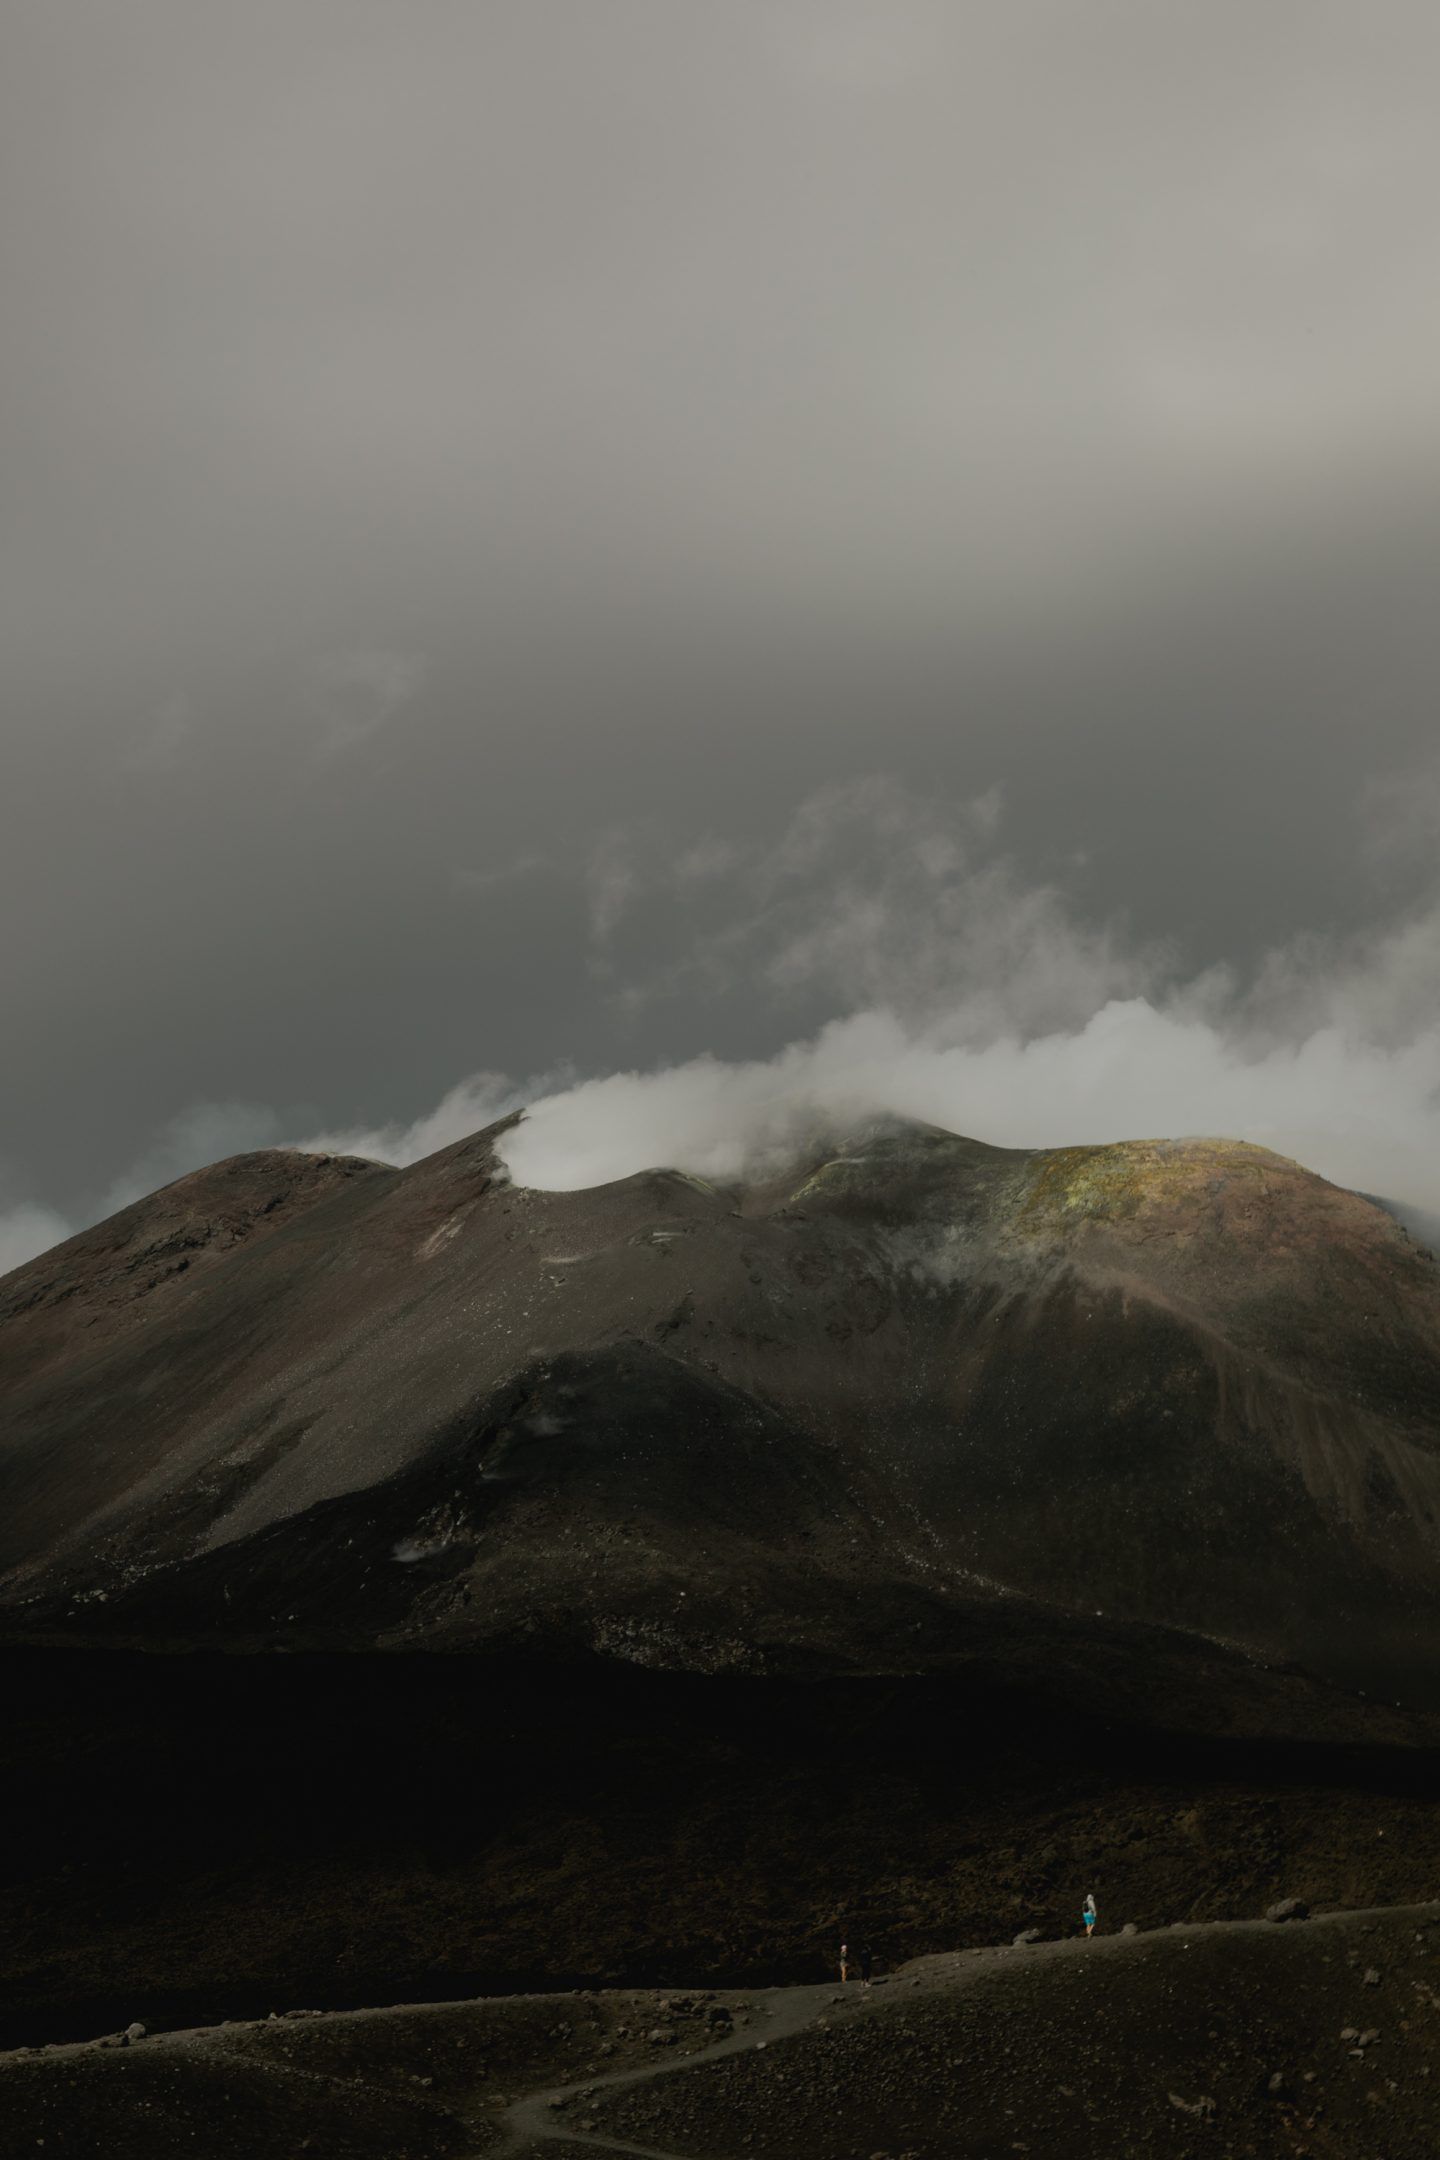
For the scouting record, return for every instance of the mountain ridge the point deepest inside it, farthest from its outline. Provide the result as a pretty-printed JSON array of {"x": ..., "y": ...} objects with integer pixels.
[{"x": 1184, "y": 1386}]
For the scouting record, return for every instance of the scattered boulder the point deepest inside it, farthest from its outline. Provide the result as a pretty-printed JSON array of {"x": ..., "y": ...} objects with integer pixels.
[
  {"x": 1027, "y": 1935},
  {"x": 1129, "y": 1928},
  {"x": 1288, "y": 1908},
  {"x": 661, "y": 2036}
]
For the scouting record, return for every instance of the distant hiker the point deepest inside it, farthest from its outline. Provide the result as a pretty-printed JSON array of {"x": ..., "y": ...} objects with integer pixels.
[
  {"x": 1089, "y": 1916},
  {"x": 844, "y": 1963},
  {"x": 865, "y": 1961}
]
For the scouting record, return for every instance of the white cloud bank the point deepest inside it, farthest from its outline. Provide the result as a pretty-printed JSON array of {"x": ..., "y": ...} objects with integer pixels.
[
  {"x": 985, "y": 1004},
  {"x": 968, "y": 997},
  {"x": 1362, "y": 1115}
]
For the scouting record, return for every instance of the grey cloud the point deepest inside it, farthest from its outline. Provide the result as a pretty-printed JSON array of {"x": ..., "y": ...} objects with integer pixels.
[
  {"x": 158, "y": 741},
  {"x": 704, "y": 859},
  {"x": 869, "y": 895},
  {"x": 960, "y": 311},
  {"x": 469, "y": 880},
  {"x": 355, "y": 693},
  {"x": 1401, "y": 818},
  {"x": 28, "y": 1229},
  {"x": 1037, "y": 403},
  {"x": 611, "y": 883}
]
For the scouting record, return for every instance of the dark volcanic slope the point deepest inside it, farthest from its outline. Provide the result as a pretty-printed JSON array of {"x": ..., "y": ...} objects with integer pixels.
[
  {"x": 860, "y": 1417},
  {"x": 71, "y": 1301}
]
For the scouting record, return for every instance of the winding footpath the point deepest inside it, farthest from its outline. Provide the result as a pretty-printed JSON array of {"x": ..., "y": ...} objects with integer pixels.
[
  {"x": 784, "y": 2011},
  {"x": 540, "y": 2117}
]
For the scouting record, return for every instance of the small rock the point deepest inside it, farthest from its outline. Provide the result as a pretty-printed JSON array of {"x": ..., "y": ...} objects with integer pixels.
[
  {"x": 1028, "y": 1935},
  {"x": 1129, "y": 1928},
  {"x": 1204, "y": 2106},
  {"x": 661, "y": 2036},
  {"x": 1371, "y": 1976},
  {"x": 1288, "y": 1908},
  {"x": 1349, "y": 2032}
]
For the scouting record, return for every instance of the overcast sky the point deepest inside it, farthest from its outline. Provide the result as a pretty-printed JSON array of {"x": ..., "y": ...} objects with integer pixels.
[{"x": 553, "y": 536}]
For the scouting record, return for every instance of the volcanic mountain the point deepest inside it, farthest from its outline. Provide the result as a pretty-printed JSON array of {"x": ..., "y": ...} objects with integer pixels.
[{"x": 910, "y": 1399}]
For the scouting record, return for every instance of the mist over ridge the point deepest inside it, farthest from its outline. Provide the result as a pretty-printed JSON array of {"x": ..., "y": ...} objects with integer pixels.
[
  {"x": 970, "y": 997},
  {"x": 940, "y": 982},
  {"x": 1132, "y": 1073}
]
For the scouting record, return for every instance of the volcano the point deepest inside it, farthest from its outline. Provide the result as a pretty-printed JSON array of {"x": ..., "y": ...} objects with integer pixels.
[
  {"x": 416, "y": 1585},
  {"x": 910, "y": 1399}
]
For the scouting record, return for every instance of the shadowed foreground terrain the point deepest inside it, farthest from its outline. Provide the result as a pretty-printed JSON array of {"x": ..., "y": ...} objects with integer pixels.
[
  {"x": 1318, "y": 2037},
  {"x": 192, "y": 1838}
]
